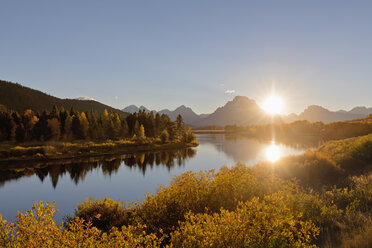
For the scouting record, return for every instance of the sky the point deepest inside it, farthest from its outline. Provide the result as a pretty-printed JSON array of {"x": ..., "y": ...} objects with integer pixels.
[{"x": 163, "y": 54}]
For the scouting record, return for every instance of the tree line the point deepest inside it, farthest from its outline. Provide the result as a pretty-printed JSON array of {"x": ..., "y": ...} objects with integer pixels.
[
  {"x": 63, "y": 125},
  {"x": 307, "y": 131}
]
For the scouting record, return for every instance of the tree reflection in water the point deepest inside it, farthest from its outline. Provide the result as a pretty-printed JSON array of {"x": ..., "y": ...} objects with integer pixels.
[{"x": 79, "y": 168}]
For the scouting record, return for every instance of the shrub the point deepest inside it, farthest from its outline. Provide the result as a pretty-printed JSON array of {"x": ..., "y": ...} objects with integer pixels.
[
  {"x": 103, "y": 214},
  {"x": 36, "y": 228},
  {"x": 267, "y": 223}
]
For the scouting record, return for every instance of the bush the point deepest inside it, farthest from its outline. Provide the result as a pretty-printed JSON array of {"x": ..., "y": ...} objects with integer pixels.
[
  {"x": 103, "y": 214},
  {"x": 267, "y": 223},
  {"x": 37, "y": 228}
]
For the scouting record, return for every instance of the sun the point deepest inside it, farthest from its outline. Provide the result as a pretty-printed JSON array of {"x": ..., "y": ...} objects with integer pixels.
[{"x": 273, "y": 105}]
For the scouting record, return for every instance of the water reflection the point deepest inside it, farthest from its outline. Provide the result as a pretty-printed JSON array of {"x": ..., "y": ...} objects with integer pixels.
[
  {"x": 79, "y": 168},
  {"x": 127, "y": 177},
  {"x": 273, "y": 152},
  {"x": 247, "y": 150}
]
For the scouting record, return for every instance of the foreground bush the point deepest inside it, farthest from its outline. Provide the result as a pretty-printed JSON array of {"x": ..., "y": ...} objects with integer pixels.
[
  {"x": 36, "y": 228},
  {"x": 256, "y": 223},
  {"x": 103, "y": 214},
  {"x": 203, "y": 192}
]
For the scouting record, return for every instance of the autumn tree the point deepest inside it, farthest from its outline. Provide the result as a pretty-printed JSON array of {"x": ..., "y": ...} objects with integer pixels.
[{"x": 84, "y": 125}]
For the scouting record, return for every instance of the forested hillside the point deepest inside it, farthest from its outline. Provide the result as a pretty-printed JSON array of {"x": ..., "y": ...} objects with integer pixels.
[{"x": 19, "y": 98}]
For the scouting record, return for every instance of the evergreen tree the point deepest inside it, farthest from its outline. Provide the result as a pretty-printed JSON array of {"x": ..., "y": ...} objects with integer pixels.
[
  {"x": 55, "y": 129},
  {"x": 180, "y": 125},
  {"x": 68, "y": 128},
  {"x": 124, "y": 131},
  {"x": 136, "y": 128},
  {"x": 76, "y": 128},
  {"x": 84, "y": 125}
]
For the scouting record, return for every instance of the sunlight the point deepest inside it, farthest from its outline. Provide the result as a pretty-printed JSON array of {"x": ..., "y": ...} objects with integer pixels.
[
  {"x": 273, "y": 152},
  {"x": 273, "y": 105}
]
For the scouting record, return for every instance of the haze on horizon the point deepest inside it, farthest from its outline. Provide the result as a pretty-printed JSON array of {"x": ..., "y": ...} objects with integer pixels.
[{"x": 195, "y": 53}]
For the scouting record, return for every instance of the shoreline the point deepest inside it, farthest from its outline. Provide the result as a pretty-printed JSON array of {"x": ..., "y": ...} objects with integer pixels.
[{"x": 60, "y": 150}]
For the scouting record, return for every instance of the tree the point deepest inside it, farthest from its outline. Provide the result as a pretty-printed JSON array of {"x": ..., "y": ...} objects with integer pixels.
[
  {"x": 141, "y": 134},
  {"x": 55, "y": 129},
  {"x": 124, "y": 131},
  {"x": 180, "y": 125},
  {"x": 29, "y": 120},
  {"x": 68, "y": 128},
  {"x": 76, "y": 128},
  {"x": 116, "y": 125},
  {"x": 164, "y": 136},
  {"x": 84, "y": 125},
  {"x": 136, "y": 128}
]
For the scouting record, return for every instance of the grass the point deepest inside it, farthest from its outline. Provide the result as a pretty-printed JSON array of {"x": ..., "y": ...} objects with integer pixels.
[{"x": 63, "y": 150}]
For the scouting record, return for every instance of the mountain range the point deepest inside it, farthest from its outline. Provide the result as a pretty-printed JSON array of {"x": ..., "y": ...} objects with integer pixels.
[
  {"x": 240, "y": 111},
  {"x": 243, "y": 111},
  {"x": 188, "y": 115}
]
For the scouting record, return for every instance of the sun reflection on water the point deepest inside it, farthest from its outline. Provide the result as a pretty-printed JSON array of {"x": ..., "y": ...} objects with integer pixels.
[{"x": 273, "y": 152}]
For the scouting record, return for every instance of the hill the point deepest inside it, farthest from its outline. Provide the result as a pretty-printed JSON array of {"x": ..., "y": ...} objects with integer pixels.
[
  {"x": 19, "y": 98},
  {"x": 241, "y": 111}
]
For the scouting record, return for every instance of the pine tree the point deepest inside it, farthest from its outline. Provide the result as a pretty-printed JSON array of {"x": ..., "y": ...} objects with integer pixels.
[
  {"x": 68, "y": 128},
  {"x": 55, "y": 129},
  {"x": 84, "y": 125}
]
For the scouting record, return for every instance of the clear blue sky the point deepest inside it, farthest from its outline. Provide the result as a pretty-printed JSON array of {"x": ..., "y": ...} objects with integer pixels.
[{"x": 162, "y": 54}]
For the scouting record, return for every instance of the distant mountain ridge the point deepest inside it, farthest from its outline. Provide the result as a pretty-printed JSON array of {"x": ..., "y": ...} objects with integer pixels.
[
  {"x": 133, "y": 109},
  {"x": 188, "y": 115},
  {"x": 19, "y": 98},
  {"x": 243, "y": 111},
  {"x": 316, "y": 113}
]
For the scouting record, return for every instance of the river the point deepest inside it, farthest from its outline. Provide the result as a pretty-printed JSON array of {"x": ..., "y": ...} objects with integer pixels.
[{"x": 128, "y": 177}]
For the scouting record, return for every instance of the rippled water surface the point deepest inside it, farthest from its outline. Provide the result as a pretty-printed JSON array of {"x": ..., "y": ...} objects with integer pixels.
[{"x": 127, "y": 177}]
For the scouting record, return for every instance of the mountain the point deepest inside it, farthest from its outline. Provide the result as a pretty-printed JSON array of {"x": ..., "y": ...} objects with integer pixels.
[
  {"x": 241, "y": 111},
  {"x": 316, "y": 113},
  {"x": 361, "y": 111},
  {"x": 188, "y": 115},
  {"x": 133, "y": 108},
  {"x": 17, "y": 97}
]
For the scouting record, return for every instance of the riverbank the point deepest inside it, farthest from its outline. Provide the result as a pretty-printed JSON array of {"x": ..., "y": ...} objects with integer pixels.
[
  {"x": 209, "y": 131},
  {"x": 56, "y": 150}
]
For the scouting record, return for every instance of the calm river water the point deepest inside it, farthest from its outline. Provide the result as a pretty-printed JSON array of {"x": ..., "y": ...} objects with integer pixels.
[{"x": 127, "y": 177}]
